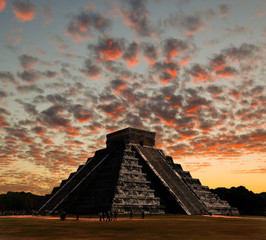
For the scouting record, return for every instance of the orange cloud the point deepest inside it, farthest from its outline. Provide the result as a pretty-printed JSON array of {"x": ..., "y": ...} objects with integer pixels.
[
  {"x": 24, "y": 10},
  {"x": 2, "y": 5},
  {"x": 111, "y": 52},
  {"x": 184, "y": 62},
  {"x": 131, "y": 62}
]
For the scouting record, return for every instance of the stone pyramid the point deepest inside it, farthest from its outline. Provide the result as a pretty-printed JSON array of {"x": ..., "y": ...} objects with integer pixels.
[{"x": 131, "y": 174}]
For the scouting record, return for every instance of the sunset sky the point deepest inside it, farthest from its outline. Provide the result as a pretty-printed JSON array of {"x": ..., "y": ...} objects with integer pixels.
[{"x": 72, "y": 71}]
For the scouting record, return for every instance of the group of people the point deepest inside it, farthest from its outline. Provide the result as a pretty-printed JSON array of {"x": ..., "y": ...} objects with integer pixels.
[{"x": 108, "y": 216}]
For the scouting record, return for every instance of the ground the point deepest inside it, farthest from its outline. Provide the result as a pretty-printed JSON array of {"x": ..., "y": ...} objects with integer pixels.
[{"x": 152, "y": 227}]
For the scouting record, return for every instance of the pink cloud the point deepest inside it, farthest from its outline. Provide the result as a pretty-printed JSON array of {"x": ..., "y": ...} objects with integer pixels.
[
  {"x": 2, "y": 5},
  {"x": 24, "y": 10}
]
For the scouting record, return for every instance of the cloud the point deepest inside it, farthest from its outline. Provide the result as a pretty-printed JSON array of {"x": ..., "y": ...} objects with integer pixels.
[
  {"x": 246, "y": 50},
  {"x": 137, "y": 17},
  {"x": 39, "y": 130},
  {"x": 108, "y": 49},
  {"x": 27, "y": 61},
  {"x": 81, "y": 26},
  {"x": 3, "y": 94},
  {"x": 30, "y": 76},
  {"x": 131, "y": 55},
  {"x": 15, "y": 35},
  {"x": 224, "y": 10},
  {"x": 118, "y": 85},
  {"x": 251, "y": 171},
  {"x": 47, "y": 14},
  {"x": 2, "y": 5},
  {"x": 114, "y": 110},
  {"x": 81, "y": 113},
  {"x": 200, "y": 73},
  {"x": 49, "y": 74},
  {"x": 59, "y": 43},
  {"x": 6, "y": 78},
  {"x": 166, "y": 71},
  {"x": 237, "y": 29},
  {"x": 150, "y": 52},
  {"x": 24, "y": 10},
  {"x": 91, "y": 69},
  {"x": 28, "y": 107},
  {"x": 53, "y": 117},
  {"x": 4, "y": 111},
  {"x": 188, "y": 25},
  {"x": 173, "y": 47},
  {"x": 29, "y": 89}
]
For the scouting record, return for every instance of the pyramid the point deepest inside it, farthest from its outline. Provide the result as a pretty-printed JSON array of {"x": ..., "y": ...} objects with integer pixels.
[{"x": 131, "y": 174}]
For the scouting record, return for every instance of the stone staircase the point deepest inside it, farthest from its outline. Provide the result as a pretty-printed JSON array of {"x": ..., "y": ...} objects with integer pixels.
[
  {"x": 212, "y": 202},
  {"x": 67, "y": 187},
  {"x": 133, "y": 190},
  {"x": 172, "y": 181}
]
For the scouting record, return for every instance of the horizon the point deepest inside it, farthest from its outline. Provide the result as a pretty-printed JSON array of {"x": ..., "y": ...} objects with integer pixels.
[{"x": 193, "y": 72}]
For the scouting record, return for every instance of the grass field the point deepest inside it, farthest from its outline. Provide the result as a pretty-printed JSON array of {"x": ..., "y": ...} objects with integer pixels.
[{"x": 152, "y": 227}]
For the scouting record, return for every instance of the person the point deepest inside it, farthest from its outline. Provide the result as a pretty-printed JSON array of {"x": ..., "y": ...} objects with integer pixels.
[
  {"x": 115, "y": 215},
  {"x": 108, "y": 216},
  {"x": 143, "y": 214},
  {"x": 63, "y": 216},
  {"x": 100, "y": 216},
  {"x": 131, "y": 213},
  {"x": 77, "y": 218}
]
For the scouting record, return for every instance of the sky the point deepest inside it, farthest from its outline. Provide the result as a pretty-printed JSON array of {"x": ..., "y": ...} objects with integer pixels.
[{"x": 191, "y": 71}]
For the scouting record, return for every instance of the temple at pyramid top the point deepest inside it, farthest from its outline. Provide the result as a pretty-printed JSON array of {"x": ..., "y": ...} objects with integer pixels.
[{"x": 130, "y": 135}]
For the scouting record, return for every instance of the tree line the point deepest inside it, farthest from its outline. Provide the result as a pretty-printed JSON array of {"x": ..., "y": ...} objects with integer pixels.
[{"x": 247, "y": 202}]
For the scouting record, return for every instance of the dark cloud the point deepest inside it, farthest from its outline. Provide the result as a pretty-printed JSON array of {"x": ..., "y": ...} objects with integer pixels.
[
  {"x": 39, "y": 130},
  {"x": 173, "y": 46},
  {"x": 150, "y": 52},
  {"x": 81, "y": 25},
  {"x": 118, "y": 84},
  {"x": 29, "y": 89},
  {"x": 137, "y": 17},
  {"x": 131, "y": 54},
  {"x": 189, "y": 25},
  {"x": 27, "y": 61},
  {"x": 108, "y": 49},
  {"x": 114, "y": 110},
  {"x": 81, "y": 113},
  {"x": 246, "y": 50},
  {"x": 227, "y": 72},
  {"x": 53, "y": 117},
  {"x": 57, "y": 99},
  {"x": 224, "y": 9},
  {"x": 50, "y": 74},
  {"x": 200, "y": 73},
  {"x": 214, "y": 90},
  {"x": 237, "y": 29},
  {"x": 3, "y": 94},
  {"x": 24, "y": 10},
  {"x": 167, "y": 71},
  {"x": 91, "y": 69},
  {"x": 4, "y": 111},
  {"x": 7, "y": 77},
  {"x": 30, "y": 76},
  {"x": 28, "y": 107}
]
